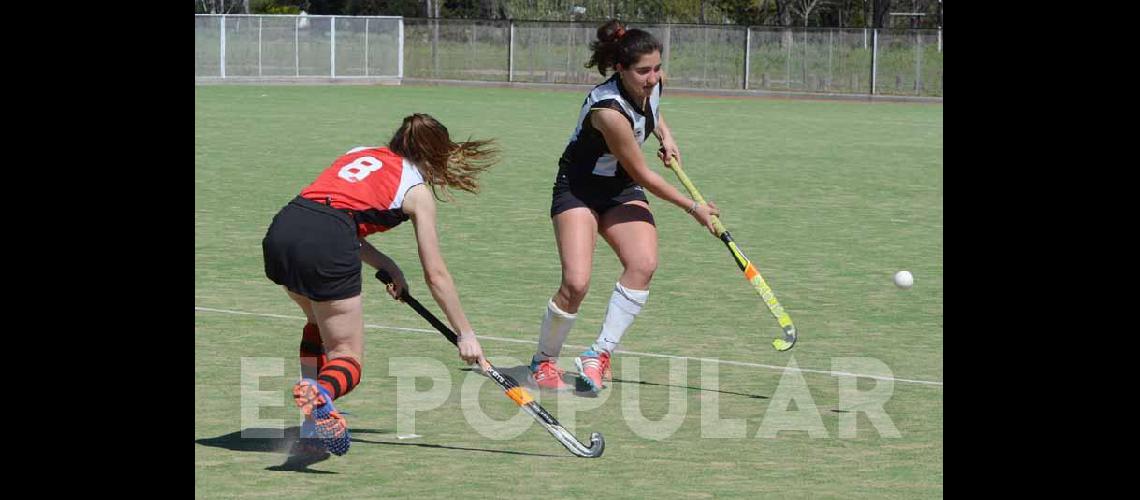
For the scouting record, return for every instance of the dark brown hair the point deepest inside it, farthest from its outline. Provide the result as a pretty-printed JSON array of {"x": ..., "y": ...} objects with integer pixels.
[
  {"x": 425, "y": 141},
  {"x": 618, "y": 45}
]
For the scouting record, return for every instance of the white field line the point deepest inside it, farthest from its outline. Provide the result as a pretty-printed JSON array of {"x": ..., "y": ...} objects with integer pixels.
[{"x": 634, "y": 353}]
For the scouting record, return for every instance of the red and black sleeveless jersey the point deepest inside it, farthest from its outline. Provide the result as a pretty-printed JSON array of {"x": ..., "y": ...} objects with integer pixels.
[{"x": 370, "y": 183}]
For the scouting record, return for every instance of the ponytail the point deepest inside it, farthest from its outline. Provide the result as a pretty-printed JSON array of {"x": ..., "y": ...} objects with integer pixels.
[
  {"x": 425, "y": 141},
  {"x": 615, "y": 44}
]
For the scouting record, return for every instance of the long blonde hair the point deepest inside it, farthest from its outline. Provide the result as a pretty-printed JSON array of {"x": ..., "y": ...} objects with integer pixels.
[{"x": 426, "y": 142}]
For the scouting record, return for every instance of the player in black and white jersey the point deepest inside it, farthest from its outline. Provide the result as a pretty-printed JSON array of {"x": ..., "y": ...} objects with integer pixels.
[{"x": 600, "y": 189}]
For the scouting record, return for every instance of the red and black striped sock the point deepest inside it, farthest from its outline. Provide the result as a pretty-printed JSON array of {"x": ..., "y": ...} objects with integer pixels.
[
  {"x": 312, "y": 352},
  {"x": 339, "y": 376}
]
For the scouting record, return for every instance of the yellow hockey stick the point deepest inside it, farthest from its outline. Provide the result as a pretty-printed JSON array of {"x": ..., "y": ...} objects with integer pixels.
[{"x": 750, "y": 272}]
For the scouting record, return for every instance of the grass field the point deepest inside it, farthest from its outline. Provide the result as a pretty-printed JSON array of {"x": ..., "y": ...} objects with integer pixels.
[{"x": 829, "y": 198}]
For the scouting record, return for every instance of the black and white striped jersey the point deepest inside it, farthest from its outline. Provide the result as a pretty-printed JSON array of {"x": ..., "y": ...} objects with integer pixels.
[{"x": 587, "y": 152}]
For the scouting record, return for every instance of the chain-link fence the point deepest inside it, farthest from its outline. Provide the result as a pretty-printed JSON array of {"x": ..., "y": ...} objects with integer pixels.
[
  {"x": 819, "y": 60},
  {"x": 909, "y": 62},
  {"x": 275, "y": 46},
  {"x": 456, "y": 49},
  {"x": 553, "y": 52}
]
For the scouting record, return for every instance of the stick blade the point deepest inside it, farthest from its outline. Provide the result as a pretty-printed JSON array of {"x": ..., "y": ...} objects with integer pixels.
[
  {"x": 787, "y": 341},
  {"x": 595, "y": 450},
  {"x": 597, "y": 446}
]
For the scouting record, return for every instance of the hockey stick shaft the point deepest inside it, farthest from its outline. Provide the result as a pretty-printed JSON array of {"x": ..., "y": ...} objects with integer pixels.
[
  {"x": 511, "y": 387},
  {"x": 751, "y": 273}
]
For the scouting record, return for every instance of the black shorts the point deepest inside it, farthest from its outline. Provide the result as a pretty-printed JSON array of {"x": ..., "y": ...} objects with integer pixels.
[
  {"x": 594, "y": 191},
  {"x": 312, "y": 249}
]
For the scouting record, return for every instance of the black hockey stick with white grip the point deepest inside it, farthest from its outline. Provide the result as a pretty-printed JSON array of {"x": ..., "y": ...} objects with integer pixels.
[{"x": 516, "y": 392}]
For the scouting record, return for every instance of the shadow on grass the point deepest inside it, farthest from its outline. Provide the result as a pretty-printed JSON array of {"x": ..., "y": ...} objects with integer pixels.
[
  {"x": 642, "y": 382},
  {"x": 281, "y": 441},
  {"x": 274, "y": 440},
  {"x": 522, "y": 375},
  {"x": 440, "y": 446}
]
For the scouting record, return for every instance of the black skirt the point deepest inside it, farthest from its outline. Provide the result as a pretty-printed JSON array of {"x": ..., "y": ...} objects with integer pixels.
[{"x": 312, "y": 249}]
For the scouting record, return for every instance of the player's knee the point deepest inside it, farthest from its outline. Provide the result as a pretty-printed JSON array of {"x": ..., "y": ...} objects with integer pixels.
[
  {"x": 574, "y": 288},
  {"x": 642, "y": 268}
]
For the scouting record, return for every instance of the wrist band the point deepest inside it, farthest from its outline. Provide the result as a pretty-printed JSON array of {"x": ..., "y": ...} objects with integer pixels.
[{"x": 692, "y": 209}]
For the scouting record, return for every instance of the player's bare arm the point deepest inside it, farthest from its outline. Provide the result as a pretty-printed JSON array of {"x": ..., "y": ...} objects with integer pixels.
[
  {"x": 619, "y": 138},
  {"x": 377, "y": 259},
  {"x": 420, "y": 207}
]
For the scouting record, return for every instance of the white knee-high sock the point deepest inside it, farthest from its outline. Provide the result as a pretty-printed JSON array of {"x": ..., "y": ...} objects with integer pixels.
[
  {"x": 625, "y": 305},
  {"x": 556, "y": 325}
]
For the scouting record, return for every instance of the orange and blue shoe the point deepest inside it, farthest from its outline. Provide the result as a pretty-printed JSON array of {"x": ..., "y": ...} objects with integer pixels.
[
  {"x": 547, "y": 375},
  {"x": 594, "y": 369},
  {"x": 316, "y": 404}
]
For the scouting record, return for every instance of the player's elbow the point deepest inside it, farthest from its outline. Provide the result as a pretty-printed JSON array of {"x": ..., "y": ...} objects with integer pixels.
[{"x": 437, "y": 278}]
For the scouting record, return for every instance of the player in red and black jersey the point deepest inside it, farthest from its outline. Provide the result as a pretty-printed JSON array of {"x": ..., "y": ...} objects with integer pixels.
[{"x": 316, "y": 243}]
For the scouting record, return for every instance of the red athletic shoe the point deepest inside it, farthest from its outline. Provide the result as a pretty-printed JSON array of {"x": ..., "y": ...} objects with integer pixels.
[
  {"x": 593, "y": 369},
  {"x": 547, "y": 375},
  {"x": 316, "y": 404}
]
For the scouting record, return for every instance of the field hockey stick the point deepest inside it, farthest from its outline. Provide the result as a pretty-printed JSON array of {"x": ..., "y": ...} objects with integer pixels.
[
  {"x": 517, "y": 393},
  {"x": 750, "y": 271}
]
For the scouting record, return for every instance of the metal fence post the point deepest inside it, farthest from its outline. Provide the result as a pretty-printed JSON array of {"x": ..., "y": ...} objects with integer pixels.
[
  {"x": 511, "y": 52},
  {"x": 804, "y": 61},
  {"x": 471, "y": 45},
  {"x": 747, "y": 54},
  {"x": 258, "y": 45},
  {"x": 788, "y": 40},
  {"x": 222, "y": 59},
  {"x": 705, "y": 62},
  {"x": 874, "y": 60},
  {"x": 434, "y": 47},
  {"x": 297, "y": 44},
  {"x": 830, "y": 45},
  {"x": 570, "y": 52},
  {"x": 400, "y": 53},
  {"x": 332, "y": 47},
  {"x": 918, "y": 62},
  {"x": 366, "y": 46}
]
